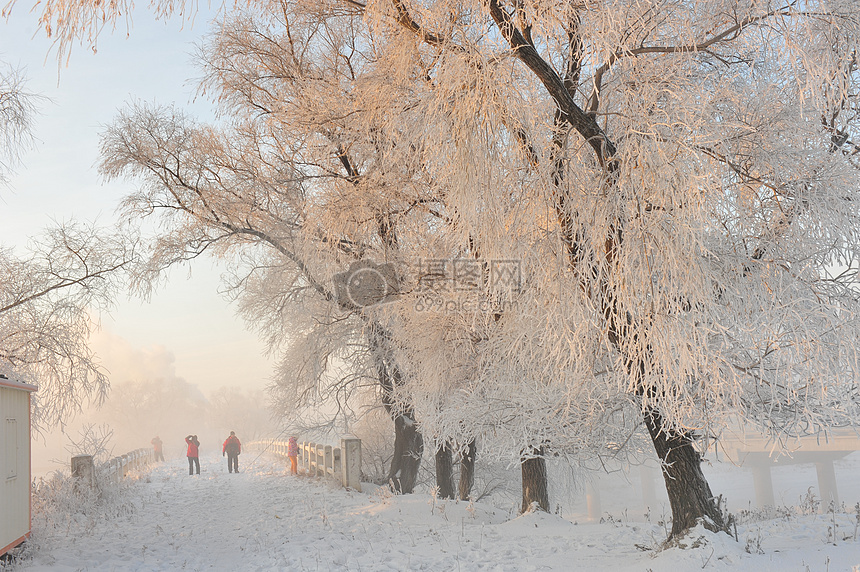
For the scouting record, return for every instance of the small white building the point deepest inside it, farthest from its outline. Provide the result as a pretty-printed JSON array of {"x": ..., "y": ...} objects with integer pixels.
[{"x": 15, "y": 478}]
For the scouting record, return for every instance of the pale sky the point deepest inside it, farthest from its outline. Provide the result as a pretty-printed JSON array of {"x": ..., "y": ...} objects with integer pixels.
[{"x": 187, "y": 327}]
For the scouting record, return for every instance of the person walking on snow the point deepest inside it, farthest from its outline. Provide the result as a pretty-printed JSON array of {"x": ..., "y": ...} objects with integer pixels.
[
  {"x": 232, "y": 448},
  {"x": 193, "y": 454},
  {"x": 158, "y": 448},
  {"x": 292, "y": 453}
]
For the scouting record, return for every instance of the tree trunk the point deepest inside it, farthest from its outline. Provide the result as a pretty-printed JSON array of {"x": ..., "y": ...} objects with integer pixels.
[
  {"x": 690, "y": 496},
  {"x": 445, "y": 471},
  {"x": 408, "y": 448},
  {"x": 535, "y": 482},
  {"x": 408, "y": 443},
  {"x": 467, "y": 470},
  {"x": 689, "y": 493}
]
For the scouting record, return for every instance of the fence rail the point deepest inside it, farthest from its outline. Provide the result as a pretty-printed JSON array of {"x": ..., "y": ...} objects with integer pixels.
[
  {"x": 85, "y": 471},
  {"x": 118, "y": 467},
  {"x": 341, "y": 463}
]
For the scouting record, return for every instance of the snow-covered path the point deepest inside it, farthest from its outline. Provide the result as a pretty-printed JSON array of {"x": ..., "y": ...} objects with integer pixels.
[{"x": 266, "y": 519}]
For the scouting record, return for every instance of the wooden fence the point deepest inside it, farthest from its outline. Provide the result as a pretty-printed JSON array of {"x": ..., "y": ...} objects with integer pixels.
[{"x": 341, "y": 463}]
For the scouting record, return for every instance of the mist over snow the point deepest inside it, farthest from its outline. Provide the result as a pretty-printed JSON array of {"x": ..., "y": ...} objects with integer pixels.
[
  {"x": 148, "y": 398},
  {"x": 126, "y": 362}
]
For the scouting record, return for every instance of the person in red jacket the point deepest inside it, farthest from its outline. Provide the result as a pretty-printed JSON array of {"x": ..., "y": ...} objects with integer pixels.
[
  {"x": 193, "y": 454},
  {"x": 293, "y": 453},
  {"x": 158, "y": 448},
  {"x": 232, "y": 448}
]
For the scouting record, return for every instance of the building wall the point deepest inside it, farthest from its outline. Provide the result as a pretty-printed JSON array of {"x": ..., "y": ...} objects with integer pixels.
[{"x": 14, "y": 466}]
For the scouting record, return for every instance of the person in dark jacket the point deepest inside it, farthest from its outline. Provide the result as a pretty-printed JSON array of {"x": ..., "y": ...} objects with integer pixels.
[
  {"x": 232, "y": 448},
  {"x": 193, "y": 454},
  {"x": 158, "y": 448}
]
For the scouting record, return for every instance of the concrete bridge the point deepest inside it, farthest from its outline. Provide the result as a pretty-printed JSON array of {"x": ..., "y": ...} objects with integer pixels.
[
  {"x": 761, "y": 455},
  {"x": 749, "y": 452}
]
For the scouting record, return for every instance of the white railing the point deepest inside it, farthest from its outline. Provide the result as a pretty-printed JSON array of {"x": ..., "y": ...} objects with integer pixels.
[
  {"x": 85, "y": 472},
  {"x": 341, "y": 463},
  {"x": 118, "y": 467}
]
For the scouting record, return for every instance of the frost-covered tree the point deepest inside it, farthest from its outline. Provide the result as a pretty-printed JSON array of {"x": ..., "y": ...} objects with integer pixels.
[
  {"x": 84, "y": 21},
  {"x": 49, "y": 303},
  {"x": 264, "y": 190},
  {"x": 677, "y": 181},
  {"x": 678, "y": 178},
  {"x": 51, "y": 291},
  {"x": 17, "y": 109},
  {"x": 68, "y": 21}
]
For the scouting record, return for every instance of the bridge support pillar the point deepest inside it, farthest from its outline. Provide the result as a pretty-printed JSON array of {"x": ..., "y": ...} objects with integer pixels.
[
  {"x": 649, "y": 497},
  {"x": 763, "y": 485},
  {"x": 592, "y": 501},
  {"x": 827, "y": 483}
]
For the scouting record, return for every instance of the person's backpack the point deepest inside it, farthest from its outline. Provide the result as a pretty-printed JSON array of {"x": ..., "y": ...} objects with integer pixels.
[{"x": 232, "y": 445}]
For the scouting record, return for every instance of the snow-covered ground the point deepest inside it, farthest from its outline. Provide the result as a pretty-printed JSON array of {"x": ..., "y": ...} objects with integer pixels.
[{"x": 266, "y": 519}]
